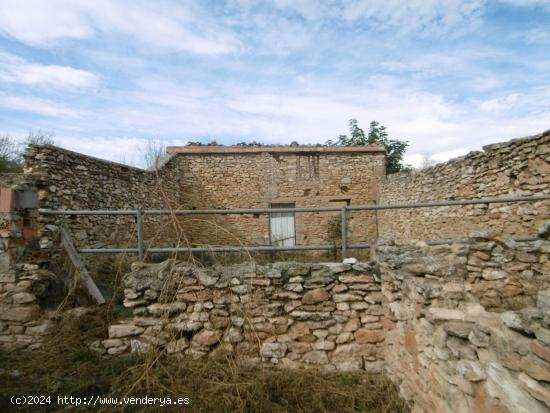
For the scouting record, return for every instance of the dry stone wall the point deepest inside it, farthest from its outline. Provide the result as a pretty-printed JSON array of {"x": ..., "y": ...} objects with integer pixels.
[
  {"x": 312, "y": 178},
  {"x": 289, "y": 314},
  {"x": 459, "y": 328},
  {"x": 68, "y": 180},
  {"x": 471, "y": 324},
  {"x": 517, "y": 167},
  {"x": 24, "y": 293}
]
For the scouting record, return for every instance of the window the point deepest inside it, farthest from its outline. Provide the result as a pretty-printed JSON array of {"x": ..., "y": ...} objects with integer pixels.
[{"x": 281, "y": 226}]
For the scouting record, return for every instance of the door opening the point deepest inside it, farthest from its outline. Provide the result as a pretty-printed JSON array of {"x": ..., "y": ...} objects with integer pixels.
[{"x": 282, "y": 226}]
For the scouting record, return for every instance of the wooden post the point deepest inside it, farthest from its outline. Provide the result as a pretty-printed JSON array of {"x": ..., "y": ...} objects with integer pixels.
[{"x": 87, "y": 280}]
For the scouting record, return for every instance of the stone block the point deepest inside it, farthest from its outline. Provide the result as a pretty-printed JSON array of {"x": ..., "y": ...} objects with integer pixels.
[
  {"x": 273, "y": 350},
  {"x": 363, "y": 336},
  {"x": 315, "y": 296},
  {"x": 124, "y": 330},
  {"x": 206, "y": 338},
  {"x": 535, "y": 389},
  {"x": 20, "y": 314}
]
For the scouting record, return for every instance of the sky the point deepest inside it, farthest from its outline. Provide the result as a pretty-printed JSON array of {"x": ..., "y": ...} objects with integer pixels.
[{"x": 448, "y": 76}]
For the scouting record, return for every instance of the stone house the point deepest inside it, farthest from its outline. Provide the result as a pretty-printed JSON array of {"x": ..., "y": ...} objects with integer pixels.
[{"x": 283, "y": 177}]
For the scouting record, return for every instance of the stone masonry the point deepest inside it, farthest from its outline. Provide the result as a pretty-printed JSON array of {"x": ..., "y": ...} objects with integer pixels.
[
  {"x": 289, "y": 314},
  {"x": 517, "y": 167},
  {"x": 459, "y": 328},
  {"x": 470, "y": 329},
  {"x": 67, "y": 180},
  {"x": 258, "y": 177}
]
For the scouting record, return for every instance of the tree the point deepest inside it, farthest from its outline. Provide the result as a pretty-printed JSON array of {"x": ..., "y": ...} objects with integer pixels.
[
  {"x": 395, "y": 148},
  {"x": 152, "y": 153},
  {"x": 10, "y": 161},
  {"x": 11, "y": 151},
  {"x": 39, "y": 138},
  {"x": 426, "y": 162}
]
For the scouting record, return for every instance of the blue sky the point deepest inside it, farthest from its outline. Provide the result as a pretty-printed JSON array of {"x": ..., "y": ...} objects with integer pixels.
[{"x": 449, "y": 76}]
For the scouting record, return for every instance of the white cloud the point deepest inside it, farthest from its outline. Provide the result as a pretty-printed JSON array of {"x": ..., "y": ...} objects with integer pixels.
[
  {"x": 18, "y": 70},
  {"x": 415, "y": 15},
  {"x": 35, "y": 105},
  {"x": 166, "y": 25},
  {"x": 38, "y": 22},
  {"x": 315, "y": 112},
  {"x": 500, "y": 103}
]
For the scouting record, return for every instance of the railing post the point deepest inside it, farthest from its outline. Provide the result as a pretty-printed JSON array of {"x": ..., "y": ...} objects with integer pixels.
[
  {"x": 344, "y": 230},
  {"x": 141, "y": 242}
]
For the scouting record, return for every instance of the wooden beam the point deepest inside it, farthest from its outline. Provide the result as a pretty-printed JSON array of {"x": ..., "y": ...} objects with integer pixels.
[{"x": 85, "y": 277}]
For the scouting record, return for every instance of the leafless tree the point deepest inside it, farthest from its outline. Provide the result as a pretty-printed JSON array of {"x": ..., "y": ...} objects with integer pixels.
[
  {"x": 426, "y": 162},
  {"x": 39, "y": 138},
  {"x": 152, "y": 153}
]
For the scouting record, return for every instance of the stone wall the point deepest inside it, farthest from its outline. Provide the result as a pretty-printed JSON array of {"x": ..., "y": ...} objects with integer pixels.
[
  {"x": 306, "y": 176},
  {"x": 460, "y": 327},
  {"x": 68, "y": 180},
  {"x": 25, "y": 292},
  {"x": 289, "y": 314},
  {"x": 517, "y": 167},
  {"x": 471, "y": 330}
]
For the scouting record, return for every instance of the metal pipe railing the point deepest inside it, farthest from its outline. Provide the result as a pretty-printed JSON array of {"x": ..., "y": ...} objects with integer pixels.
[
  {"x": 141, "y": 249},
  {"x": 240, "y": 211}
]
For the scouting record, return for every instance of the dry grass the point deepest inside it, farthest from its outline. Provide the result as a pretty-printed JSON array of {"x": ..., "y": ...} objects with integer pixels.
[{"x": 65, "y": 366}]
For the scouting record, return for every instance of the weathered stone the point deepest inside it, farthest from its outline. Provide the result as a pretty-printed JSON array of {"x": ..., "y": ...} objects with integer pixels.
[
  {"x": 19, "y": 314},
  {"x": 536, "y": 368},
  {"x": 273, "y": 273},
  {"x": 139, "y": 347},
  {"x": 543, "y": 334},
  {"x": 308, "y": 315},
  {"x": 352, "y": 325},
  {"x": 514, "y": 322},
  {"x": 324, "y": 345},
  {"x": 204, "y": 278},
  {"x": 363, "y": 336},
  {"x": 124, "y": 330},
  {"x": 344, "y": 338},
  {"x": 297, "y": 288},
  {"x": 39, "y": 330},
  {"x": 315, "y": 357},
  {"x": 158, "y": 309},
  {"x": 543, "y": 302},
  {"x": 315, "y": 296},
  {"x": 23, "y": 298},
  {"x": 458, "y": 328},
  {"x": 478, "y": 338},
  {"x": 188, "y": 326},
  {"x": 114, "y": 351},
  {"x": 493, "y": 274},
  {"x": 374, "y": 367},
  {"x": 301, "y": 331},
  {"x": 535, "y": 389},
  {"x": 470, "y": 370},
  {"x": 411, "y": 344},
  {"x": 177, "y": 346},
  {"x": 502, "y": 385},
  {"x": 206, "y": 338},
  {"x": 441, "y": 314},
  {"x": 350, "y": 278},
  {"x": 540, "y": 350},
  {"x": 112, "y": 343},
  {"x": 273, "y": 350}
]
